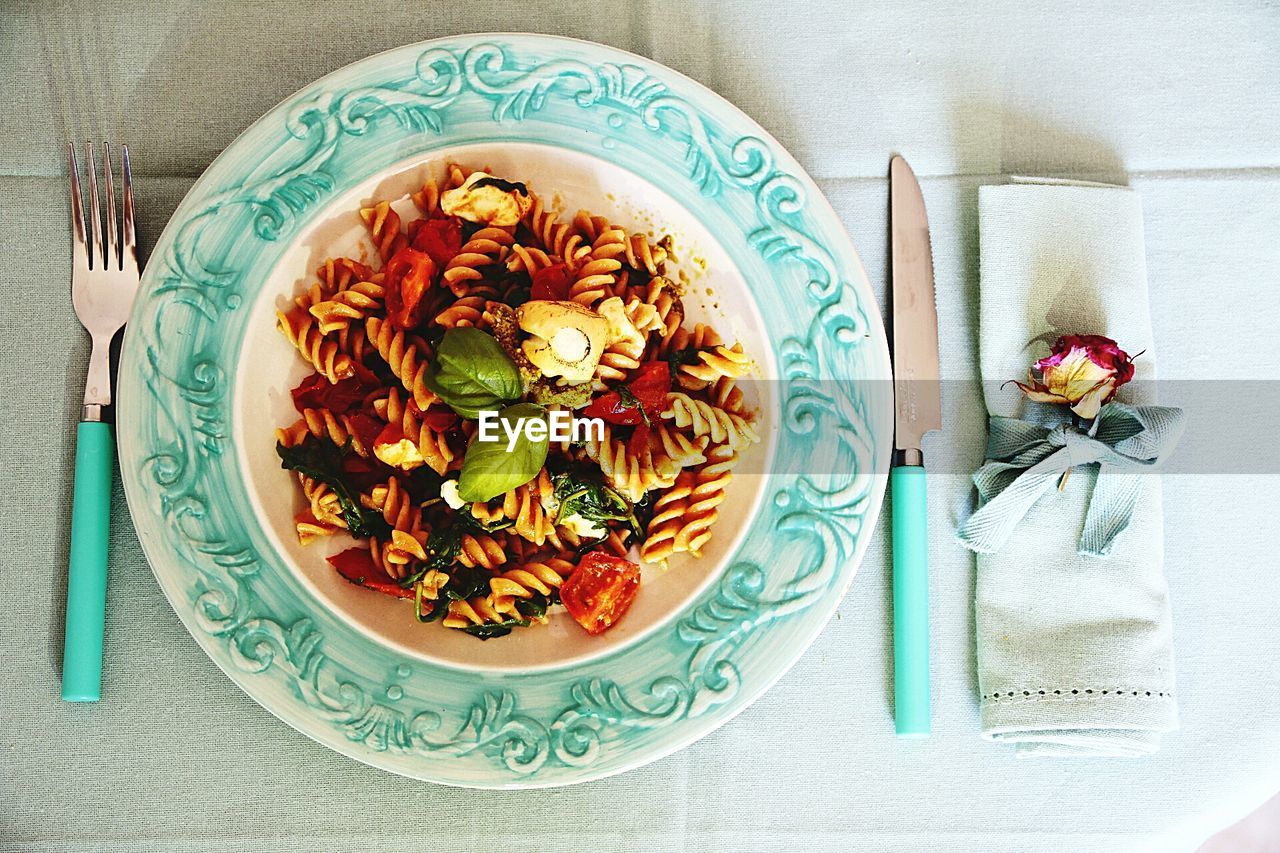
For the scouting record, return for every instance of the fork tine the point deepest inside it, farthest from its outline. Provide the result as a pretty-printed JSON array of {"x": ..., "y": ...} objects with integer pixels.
[
  {"x": 95, "y": 211},
  {"x": 112, "y": 252},
  {"x": 127, "y": 248},
  {"x": 78, "y": 247}
]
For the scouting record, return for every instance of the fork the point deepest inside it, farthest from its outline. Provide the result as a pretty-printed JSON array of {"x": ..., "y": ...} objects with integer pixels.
[{"x": 104, "y": 279}]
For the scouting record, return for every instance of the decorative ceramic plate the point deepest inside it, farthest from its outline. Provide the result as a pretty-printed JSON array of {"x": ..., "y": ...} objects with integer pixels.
[{"x": 204, "y": 379}]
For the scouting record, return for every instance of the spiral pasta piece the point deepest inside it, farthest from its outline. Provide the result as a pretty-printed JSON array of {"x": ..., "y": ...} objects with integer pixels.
[
  {"x": 664, "y": 296},
  {"x": 598, "y": 272},
  {"x": 384, "y": 228},
  {"x": 322, "y": 501},
  {"x": 406, "y": 357},
  {"x": 528, "y": 259},
  {"x": 642, "y": 255},
  {"x": 708, "y": 493},
  {"x": 725, "y": 394},
  {"x": 631, "y": 474},
  {"x": 557, "y": 238},
  {"x": 396, "y": 556},
  {"x": 487, "y": 247},
  {"x": 480, "y": 610},
  {"x": 481, "y": 549},
  {"x": 427, "y": 199},
  {"x": 668, "y": 519},
  {"x": 309, "y": 528},
  {"x": 354, "y": 303},
  {"x": 324, "y": 424},
  {"x": 683, "y": 450},
  {"x": 396, "y": 505},
  {"x": 535, "y": 577},
  {"x": 432, "y": 446},
  {"x": 714, "y": 363},
  {"x": 705, "y": 419},
  {"x": 625, "y": 347},
  {"x": 324, "y": 353},
  {"x": 526, "y": 506},
  {"x": 337, "y": 274},
  {"x": 466, "y": 311}
]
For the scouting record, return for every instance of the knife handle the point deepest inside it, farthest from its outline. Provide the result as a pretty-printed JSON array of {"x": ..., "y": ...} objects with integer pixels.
[
  {"x": 910, "y": 601},
  {"x": 87, "y": 572}
]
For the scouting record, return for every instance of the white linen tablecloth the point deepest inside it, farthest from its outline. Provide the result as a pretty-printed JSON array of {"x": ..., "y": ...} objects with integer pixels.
[{"x": 1183, "y": 101}]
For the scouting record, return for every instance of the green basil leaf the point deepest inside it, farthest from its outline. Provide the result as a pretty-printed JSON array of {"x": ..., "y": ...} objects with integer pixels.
[
  {"x": 502, "y": 184},
  {"x": 489, "y": 469},
  {"x": 471, "y": 372}
]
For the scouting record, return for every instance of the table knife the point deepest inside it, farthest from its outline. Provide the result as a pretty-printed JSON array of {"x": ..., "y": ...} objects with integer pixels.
[{"x": 918, "y": 410}]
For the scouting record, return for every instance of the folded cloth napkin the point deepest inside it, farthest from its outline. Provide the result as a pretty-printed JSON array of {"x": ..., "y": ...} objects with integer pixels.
[{"x": 1075, "y": 653}]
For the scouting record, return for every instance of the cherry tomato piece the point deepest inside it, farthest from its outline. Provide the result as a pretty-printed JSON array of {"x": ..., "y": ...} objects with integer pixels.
[
  {"x": 357, "y": 566},
  {"x": 440, "y": 237},
  {"x": 408, "y": 274},
  {"x": 551, "y": 283},
  {"x": 600, "y": 591}
]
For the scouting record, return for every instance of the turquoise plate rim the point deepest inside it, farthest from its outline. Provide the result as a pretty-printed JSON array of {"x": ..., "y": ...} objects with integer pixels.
[{"x": 548, "y": 728}]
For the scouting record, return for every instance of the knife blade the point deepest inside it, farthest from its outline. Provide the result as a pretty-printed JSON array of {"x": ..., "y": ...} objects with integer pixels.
[
  {"x": 917, "y": 396},
  {"x": 918, "y": 410}
]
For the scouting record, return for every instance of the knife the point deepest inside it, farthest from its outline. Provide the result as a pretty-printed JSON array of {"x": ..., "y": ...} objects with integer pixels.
[{"x": 918, "y": 410}]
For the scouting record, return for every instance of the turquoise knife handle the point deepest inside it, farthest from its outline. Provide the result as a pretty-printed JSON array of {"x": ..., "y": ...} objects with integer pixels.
[
  {"x": 87, "y": 574},
  {"x": 910, "y": 601}
]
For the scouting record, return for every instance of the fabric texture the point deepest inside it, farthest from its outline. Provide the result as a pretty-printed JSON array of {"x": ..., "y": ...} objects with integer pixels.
[
  {"x": 177, "y": 758},
  {"x": 1075, "y": 652}
]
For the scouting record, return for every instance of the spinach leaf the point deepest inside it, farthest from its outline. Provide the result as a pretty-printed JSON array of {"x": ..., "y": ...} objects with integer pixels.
[
  {"x": 677, "y": 357},
  {"x": 582, "y": 491},
  {"x": 321, "y": 460},
  {"x": 502, "y": 184},
  {"x": 495, "y": 629},
  {"x": 467, "y": 582},
  {"x": 471, "y": 372},
  {"x": 534, "y": 607},
  {"x": 490, "y": 470},
  {"x": 438, "y": 607}
]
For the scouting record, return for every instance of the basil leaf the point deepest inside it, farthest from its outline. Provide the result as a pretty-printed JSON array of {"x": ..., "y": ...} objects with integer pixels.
[
  {"x": 490, "y": 470},
  {"x": 321, "y": 459},
  {"x": 471, "y": 372},
  {"x": 677, "y": 357},
  {"x": 628, "y": 400},
  {"x": 502, "y": 184}
]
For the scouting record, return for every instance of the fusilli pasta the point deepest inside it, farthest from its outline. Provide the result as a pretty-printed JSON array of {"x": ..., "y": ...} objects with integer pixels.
[{"x": 410, "y": 349}]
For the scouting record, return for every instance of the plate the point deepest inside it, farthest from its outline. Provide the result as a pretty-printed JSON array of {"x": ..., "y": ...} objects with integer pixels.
[{"x": 203, "y": 378}]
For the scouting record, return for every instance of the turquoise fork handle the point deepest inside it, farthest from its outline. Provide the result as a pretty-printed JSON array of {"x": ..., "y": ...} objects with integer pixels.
[
  {"x": 87, "y": 575},
  {"x": 910, "y": 601}
]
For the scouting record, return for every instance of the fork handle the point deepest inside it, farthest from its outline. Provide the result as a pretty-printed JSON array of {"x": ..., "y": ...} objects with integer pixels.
[{"x": 87, "y": 574}]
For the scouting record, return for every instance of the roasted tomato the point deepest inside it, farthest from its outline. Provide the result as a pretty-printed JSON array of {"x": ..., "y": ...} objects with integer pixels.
[
  {"x": 356, "y": 565},
  {"x": 648, "y": 390},
  {"x": 600, "y": 591},
  {"x": 440, "y": 237},
  {"x": 317, "y": 392},
  {"x": 551, "y": 283},
  {"x": 408, "y": 275}
]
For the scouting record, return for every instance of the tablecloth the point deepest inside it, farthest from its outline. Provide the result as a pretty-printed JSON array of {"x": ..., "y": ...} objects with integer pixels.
[{"x": 1182, "y": 102}]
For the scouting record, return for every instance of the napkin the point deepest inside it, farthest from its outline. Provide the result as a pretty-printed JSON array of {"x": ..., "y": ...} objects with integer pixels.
[{"x": 1075, "y": 654}]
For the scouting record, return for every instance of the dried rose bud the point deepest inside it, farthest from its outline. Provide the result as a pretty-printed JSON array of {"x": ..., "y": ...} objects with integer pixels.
[{"x": 1083, "y": 372}]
